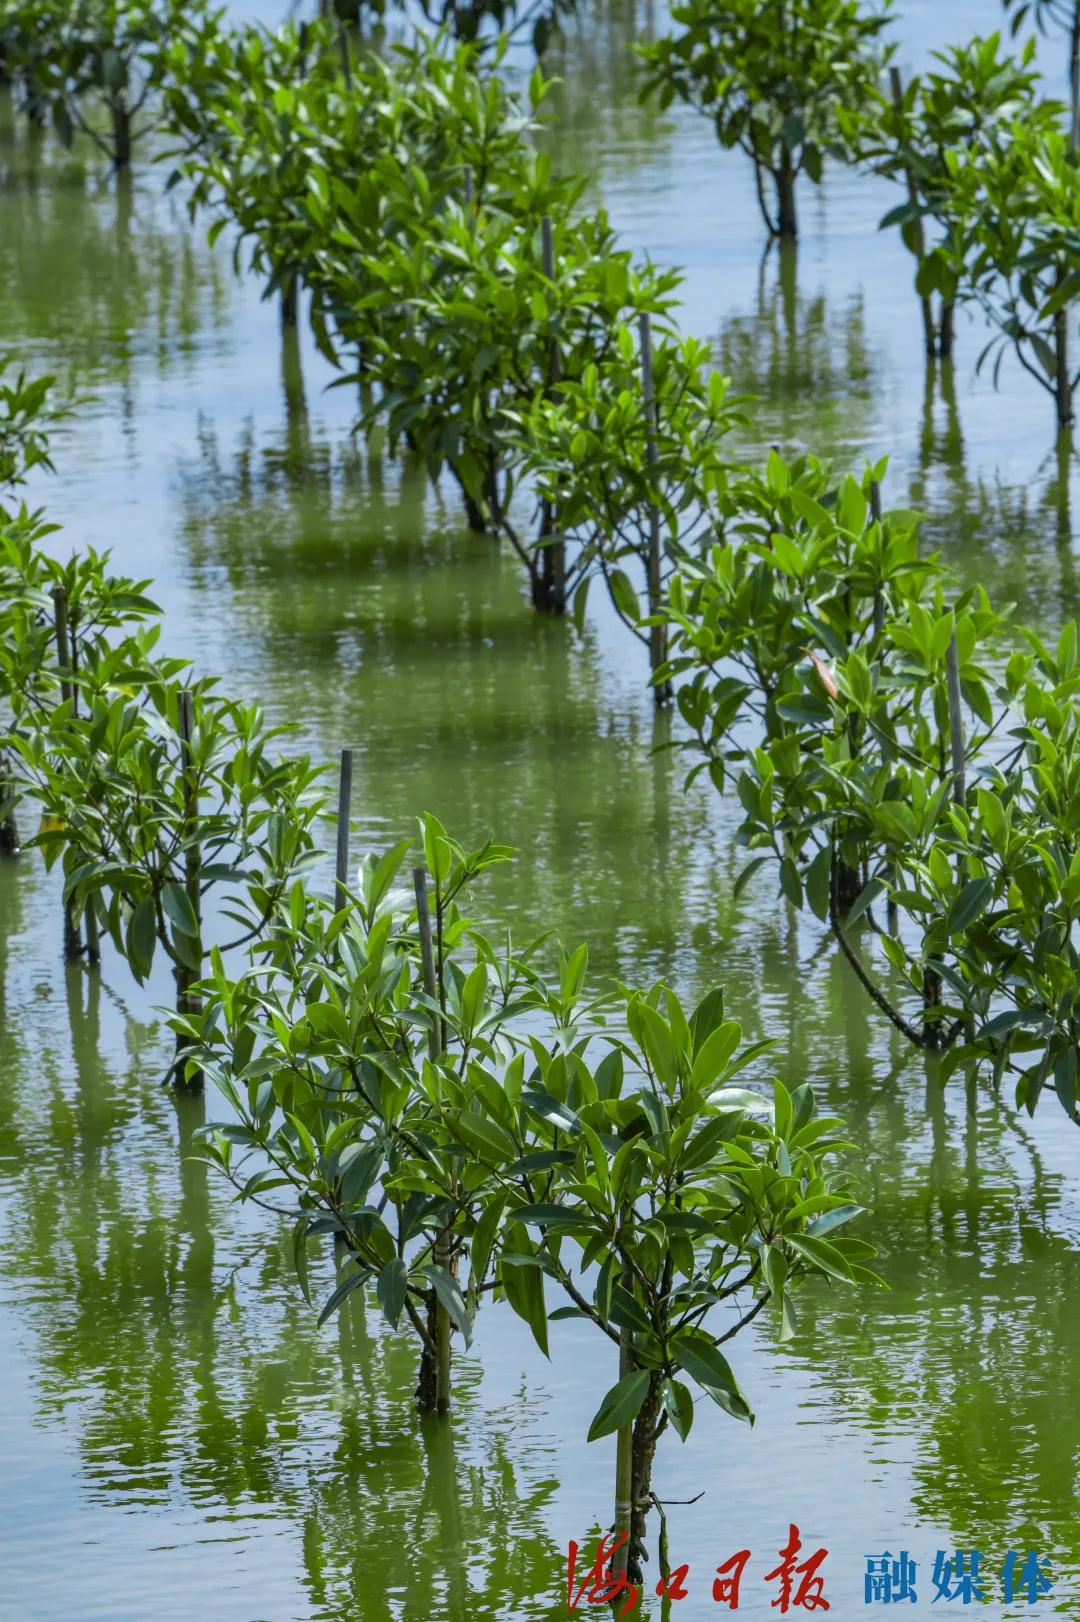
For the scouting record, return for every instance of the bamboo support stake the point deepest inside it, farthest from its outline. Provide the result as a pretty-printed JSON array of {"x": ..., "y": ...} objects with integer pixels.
[
  {"x": 879, "y": 595},
  {"x": 90, "y": 921},
  {"x": 956, "y": 722},
  {"x": 956, "y": 743},
  {"x": 440, "y": 1254},
  {"x": 892, "y": 912},
  {"x": 554, "y": 554},
  {"x": 186, "y": 977},
  {"x": 63, "y": 641},
  {"x": 72, "y": 939},
  {"x": 657, "y": 633},
  {"x": 341, "y": 869},
  {"x": 624, "y": 1455}
]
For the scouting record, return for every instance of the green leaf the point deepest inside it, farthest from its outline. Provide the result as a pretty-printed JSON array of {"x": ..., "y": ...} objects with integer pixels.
[
  {"x": 714, "y": 1055},
  {"x": 524, "y": 1286},
  {"x": 300, "y": 1255},
  {"x": 832, "y": 1219},
  {"x": 818, "y": 881},
  {"x": 390, "y": 1289},
  {"x": 621, "y": 1404},
  {"x": 747, "y": 874},
  {"x": 488, "y": 1140},
  {"x": 450, "y": 1296},
  {"x": 680, "y": 1406},
  {"x": 342, "y": 1293},
  {"x": 969, "y": 905},
  {"x": 176, "y": 905},
  {"x": 823, "y": 1257},
  {"x": 866, "y": 898},
  {"x": 702, "y": 1359},
  {"x": 142, "y": 938},
  {"x": 623, "y": 595},
  {"x": 1065, "y": 1081},
  {"x": 487, "y": 1226}
]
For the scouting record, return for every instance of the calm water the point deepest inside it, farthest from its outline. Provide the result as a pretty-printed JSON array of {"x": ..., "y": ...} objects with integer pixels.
[{"x": 178, "y": 1441}]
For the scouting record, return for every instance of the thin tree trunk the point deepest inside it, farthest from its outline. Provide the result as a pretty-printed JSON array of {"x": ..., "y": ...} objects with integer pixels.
[
  {"x": 121, "y": 131},
  {"x": 644, "y": 1447},
  {"x": 1062, "y": 382},
  {"x": 947, "y": 330},
  {"x": 290, "y": 300},
  {"x": 787, "y": 223}
]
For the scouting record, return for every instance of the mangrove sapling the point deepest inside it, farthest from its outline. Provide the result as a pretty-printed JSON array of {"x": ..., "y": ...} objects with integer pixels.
[
  {"x": 155, "y": 801},
  {"x": 1002, "y": 885},
  {"x": 28, "y": 414},
  {"x": 635, "y": 488},
  {"x": 1065, "y": 16},
  {"x": 693, "y": 1204},
  {"x": 1018, "y": 213},
  {"x": 95, "y": 65},
  {"x": 351, "y": 1053},
  {"x": 253, "y": 109},
  {"x": 774, "y": 76},
  {"x": 58, "y": 622},
  {"x": 907, "y": 133},
  {"x": 468, "y": 20},
  {"x": 465, "y": 336},
  {"x": 815, "y": 643}
]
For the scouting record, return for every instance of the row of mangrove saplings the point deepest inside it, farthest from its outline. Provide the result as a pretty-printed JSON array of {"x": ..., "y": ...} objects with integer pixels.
[
  {"x": 402, "y": 187},
  {"x": 898, "y": 746},
  {"x": 460, "y": 1116}
]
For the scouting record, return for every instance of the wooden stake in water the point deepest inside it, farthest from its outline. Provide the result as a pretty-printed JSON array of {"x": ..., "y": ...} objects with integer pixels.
[
  {"x": 440, "y": 1253},
  {"x": 879, "y": 595},
  {"x": 657, "y": 633},
  {"x": 553, "y": 561},
  {"x": 956, "y": 722},
  {"x": 624, "y": 1456},
  {"x": 9, "y": 828},
  {"x": 187, "y": 1002},
  {"x": 72, "y": 939},
  {"x": 891, "y": 911},
  {"x": 341, "y": 870}
]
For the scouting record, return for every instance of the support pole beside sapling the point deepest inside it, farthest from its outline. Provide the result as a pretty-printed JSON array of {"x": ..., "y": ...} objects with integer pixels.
[
  {"x": 187, "y": 1001},
  {"x": 552, "y": 582},
  {"x": 891, "y": 912},
  {"x": 438, "y": 1318},
  {"x": 72, "y": 939},
  {"x": 657, "y": 631},
  {"x": 624, "y": 1453},
  {"x": 341, "y": 866}
]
